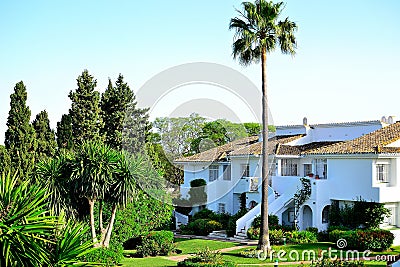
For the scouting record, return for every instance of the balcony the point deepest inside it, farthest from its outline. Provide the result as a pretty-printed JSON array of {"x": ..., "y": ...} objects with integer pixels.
[{"x": 247, "y": 184}]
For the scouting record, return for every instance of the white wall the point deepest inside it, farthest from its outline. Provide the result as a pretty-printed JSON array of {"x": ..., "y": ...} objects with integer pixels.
[{"x": 350, "y": 179}]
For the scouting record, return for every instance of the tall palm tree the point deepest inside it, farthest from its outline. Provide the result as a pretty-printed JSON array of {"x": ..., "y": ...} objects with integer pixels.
[{"x": 258, "y": 32}]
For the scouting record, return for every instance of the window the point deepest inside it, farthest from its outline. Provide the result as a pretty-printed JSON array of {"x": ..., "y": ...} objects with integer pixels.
[
  {"x": 221, "y": 207},
  {"x": 289, "y": 167},
  {"x": 227, "y": 172},
  {"x": 245, "y": 170},
  {"x": 321, "y": 168},
  {"x": 213, "y": 172},
  {"x": 307, "y": 169},
  {"x": 382, "y": 173},
  {"x": 325, "y": 214}
]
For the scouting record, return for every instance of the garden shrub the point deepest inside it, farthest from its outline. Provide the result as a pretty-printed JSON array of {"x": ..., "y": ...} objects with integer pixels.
[
  {"x": 300, "y": 237},
  {"x": 312, "y": 229},
  {"x": 206, "y": 258},
  {"x": 273, "y": 221},
  {"x": 361, "y": 214},
  {"x": 205, "y": 214},
  {"x": 253, "y": 233},
  {"x": 222, "y": 218},
  {"x": 201, "y": 227},
  {"x": 156, "y": 243},
  {"x": 323, "y": 236},
  {"x": 107, "y": 256},
  {"x": 275, "y": 235},
  {"x": 376, "y": 240},
  {"x": 231, "y": 227}
]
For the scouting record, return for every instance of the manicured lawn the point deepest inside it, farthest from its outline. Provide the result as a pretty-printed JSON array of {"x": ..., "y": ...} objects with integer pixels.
[
  {"x": 148, "y": 262},
  {"x": 187, "y": 246},
  {"x": 190, "y": 246}
]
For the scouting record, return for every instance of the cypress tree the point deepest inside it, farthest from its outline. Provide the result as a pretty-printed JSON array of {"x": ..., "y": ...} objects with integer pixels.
[
  {"x": 85, "y": 110},
  {"x": 64, "y": 132},
  {"x": 20, "y": 135},
  {"x": 44, "y": 135},
  {"x": 125, "y": 125},
  {"x": 5, "y": 161}
]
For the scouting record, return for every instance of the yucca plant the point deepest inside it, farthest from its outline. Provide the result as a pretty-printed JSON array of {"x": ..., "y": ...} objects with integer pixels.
[
  {"x": 70, "y": 246},
  {"x": 26, "y": 227}
]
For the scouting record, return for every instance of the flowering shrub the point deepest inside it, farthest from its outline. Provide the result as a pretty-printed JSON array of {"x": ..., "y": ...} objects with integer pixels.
[{"x": 376, "y": 240}]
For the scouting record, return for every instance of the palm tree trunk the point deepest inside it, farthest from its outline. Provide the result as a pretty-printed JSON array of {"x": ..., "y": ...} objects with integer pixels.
[
  {"x": 110, "y": 227},
  {"x": 91, "y": 210},
  {"x": 263, "y": 242}
]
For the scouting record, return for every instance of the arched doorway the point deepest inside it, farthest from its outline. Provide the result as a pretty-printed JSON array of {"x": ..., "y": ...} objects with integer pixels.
[
  {"x": 252, "y": 204},
  {"x": 307, "y": 217}
]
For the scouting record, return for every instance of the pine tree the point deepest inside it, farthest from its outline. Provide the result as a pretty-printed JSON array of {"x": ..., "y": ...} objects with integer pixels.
[
  {"x": 85, "y": 110},
  {"x": 20, "y": 136},
  {"x": 125, "y": 125},
  {"x": 44, "y": 135},
  {"x": 64, "y": 132}
]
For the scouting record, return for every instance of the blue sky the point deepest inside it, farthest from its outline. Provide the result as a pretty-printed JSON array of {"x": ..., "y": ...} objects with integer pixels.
[{"x": 346, "y": 67}]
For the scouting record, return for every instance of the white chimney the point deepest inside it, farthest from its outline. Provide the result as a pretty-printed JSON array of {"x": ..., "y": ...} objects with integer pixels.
[{"x": 391, "y": 119}]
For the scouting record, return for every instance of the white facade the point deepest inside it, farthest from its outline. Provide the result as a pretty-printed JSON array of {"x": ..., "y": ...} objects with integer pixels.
[{"x": 335, "y": 177}]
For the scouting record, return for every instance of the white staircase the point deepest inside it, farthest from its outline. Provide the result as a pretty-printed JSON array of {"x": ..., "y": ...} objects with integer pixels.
[
  {"x": 180, "y": 219},
  {"x": 276, "y": 203},
  {"x": 241, "y": 235},
  {"x": 221, "y": 234}
]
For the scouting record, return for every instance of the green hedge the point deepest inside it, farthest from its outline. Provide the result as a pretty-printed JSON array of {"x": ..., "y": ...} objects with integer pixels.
[
  {"x": 156, "y": 243},
  {"x": 376, "y": 240},
  {"x": 276, "y": 236},
  {"x": 201, "y": 227}
]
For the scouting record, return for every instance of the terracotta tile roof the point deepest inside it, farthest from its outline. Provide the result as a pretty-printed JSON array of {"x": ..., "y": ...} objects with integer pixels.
[
  {"x": 273, "y": 144},
  {"x": 220, "y": 152},
  {"x": 374, "y": 142}
]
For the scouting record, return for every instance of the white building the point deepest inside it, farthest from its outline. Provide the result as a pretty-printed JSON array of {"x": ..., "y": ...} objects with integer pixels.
[{"x": 344, "y": 162}]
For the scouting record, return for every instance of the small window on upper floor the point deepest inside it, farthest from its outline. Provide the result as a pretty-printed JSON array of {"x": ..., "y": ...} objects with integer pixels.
[
  {"x": 382, "y": 173},
  {"x": 245, "y": 170},
  {"x": 213, "y": 172},
  {"x": 307, "y": 169},
  {"x": 321, "y": 168},
  {"x": 289, "y": 167},
  {"x": 227, "y": 172}
]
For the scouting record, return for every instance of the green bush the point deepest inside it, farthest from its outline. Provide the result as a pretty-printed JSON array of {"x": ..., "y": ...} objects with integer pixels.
[
  {"x": 107, "y": 256},
  {"x": 275, "y": 235},
  {"x": 206, "y": 258},
  {"x": 156, "y": 243},
  {"x": 231, "y": 226},
  {"x": 253, "y": 233},
  {"x": 198, "y": 183},
  {"x": 300, "y": 237},
  {"x": 205, "y": 214},
  {"x": 201, "y": 227},
  {"x": 312, "y": 229},
  {"x": 222, "y": 218},
  {"x": 323, "y": 236},
  {"x": 273, "y": 221},
  {"x": 376, "y": 240}
]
